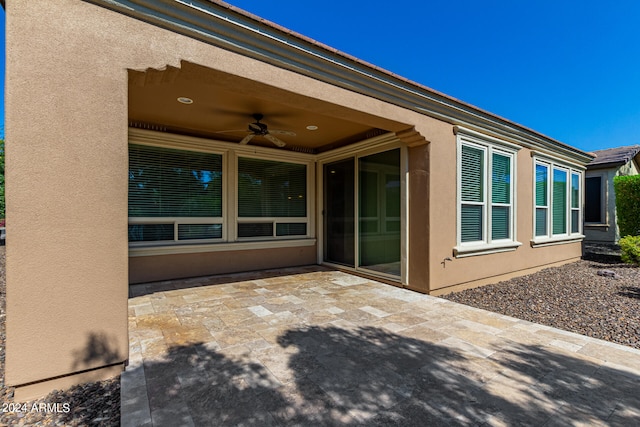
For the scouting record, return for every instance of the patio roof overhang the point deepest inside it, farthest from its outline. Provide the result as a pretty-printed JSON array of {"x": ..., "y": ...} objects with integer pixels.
[
  {"x": 227, "y": 27},
  {"x": 220, "y": 107}
]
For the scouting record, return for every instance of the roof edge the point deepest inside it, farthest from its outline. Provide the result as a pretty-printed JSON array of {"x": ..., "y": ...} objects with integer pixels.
[{"x": 223, "y": 25}]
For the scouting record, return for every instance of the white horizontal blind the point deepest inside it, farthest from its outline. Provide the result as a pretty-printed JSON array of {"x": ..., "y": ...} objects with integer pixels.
[
  {"x": 541, "y": 199},
  {"x": 174, "y": 194},
  {"x": 272, "y": 198},
  {"x": 472, "y": 185},
  {"x": 559, "y": 201},
  {"x": 500, "y": 196}
]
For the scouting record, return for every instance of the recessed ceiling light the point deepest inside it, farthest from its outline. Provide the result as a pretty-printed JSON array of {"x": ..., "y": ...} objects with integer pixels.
[
  {"x": 185, "y": 100},
  {"x": 312, "y": 127}
]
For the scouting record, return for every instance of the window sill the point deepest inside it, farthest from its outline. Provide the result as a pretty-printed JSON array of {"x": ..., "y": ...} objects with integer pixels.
[
  {"x": 596, "y": 225},
  {"x": 485, "y": 249},
  {"x": 218, "y": 247},
  {"x": 549, "y": 241}
]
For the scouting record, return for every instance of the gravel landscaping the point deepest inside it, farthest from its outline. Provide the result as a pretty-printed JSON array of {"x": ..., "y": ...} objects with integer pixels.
[{"x": 598, "y": 296}]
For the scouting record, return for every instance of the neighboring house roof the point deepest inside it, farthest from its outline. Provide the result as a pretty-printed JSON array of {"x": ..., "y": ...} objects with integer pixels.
[{"x": 613, "y": 157}]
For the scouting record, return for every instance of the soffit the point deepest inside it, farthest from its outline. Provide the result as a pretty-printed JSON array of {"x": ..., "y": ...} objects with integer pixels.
[{"x": 223, "y": 103}]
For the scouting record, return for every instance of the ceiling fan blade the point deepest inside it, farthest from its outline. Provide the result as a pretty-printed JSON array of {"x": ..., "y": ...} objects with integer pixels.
[
  {"x": 246, "y": 139},
  {"x": 231, "y": 131},
  {"x": 277, "y": 141},
  {"x": 282, "y": 132}
]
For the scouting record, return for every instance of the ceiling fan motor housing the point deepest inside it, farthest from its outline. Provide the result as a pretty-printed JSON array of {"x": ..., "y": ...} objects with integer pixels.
[{"x": 258, "y": 128}]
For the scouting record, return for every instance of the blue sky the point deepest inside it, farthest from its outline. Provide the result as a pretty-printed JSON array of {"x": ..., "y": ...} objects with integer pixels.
[{"x": 568, "y": 69}]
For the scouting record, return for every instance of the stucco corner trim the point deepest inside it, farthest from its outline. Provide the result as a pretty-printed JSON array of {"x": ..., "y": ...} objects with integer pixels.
[
  {"x": 218, "y": 247},
  {"x": 467, "y": 251},
  {"x": 536, "y": 243}
]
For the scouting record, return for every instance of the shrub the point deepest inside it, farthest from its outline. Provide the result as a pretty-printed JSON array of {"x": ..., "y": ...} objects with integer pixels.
[
  {"x": 630, "y": 247},
  {"x": 627, "y": 190}
]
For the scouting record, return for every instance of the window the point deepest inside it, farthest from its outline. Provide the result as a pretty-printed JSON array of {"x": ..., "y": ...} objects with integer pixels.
[
  {"x": 594, "y": 200},
  {"x": 542, "y": 199},
  {"x": 179, "y": 196},
  {"x": 272, "y": 198},
  {"x": 174, "y": 195},
  {"x": 486, "y": 183},
  {"x": 557, "y": 199},
  {"x": 575, "y": 203}
]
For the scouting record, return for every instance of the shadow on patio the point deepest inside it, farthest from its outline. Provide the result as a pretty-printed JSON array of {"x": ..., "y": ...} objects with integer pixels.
[{"x": 370, "y": 376}]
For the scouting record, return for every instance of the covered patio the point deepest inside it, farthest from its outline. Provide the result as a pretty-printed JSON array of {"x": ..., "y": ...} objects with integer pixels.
[{"x": 316, "y": 346}]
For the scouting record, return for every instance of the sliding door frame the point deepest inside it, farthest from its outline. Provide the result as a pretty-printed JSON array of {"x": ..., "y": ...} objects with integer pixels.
[{"x": 366, "y": 148}]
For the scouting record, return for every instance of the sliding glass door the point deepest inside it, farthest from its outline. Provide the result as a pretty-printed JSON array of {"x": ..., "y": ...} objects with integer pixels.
[
  {"x": 362, "y": 215},
  {"x": 339, "y": 227},
  {"x": 379, "y": 212}
]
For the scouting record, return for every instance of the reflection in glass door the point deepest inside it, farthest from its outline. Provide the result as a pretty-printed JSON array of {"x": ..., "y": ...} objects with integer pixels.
[
  {"x": 339, "y": 212},
  {"x": 379, "y": 212},
  {"x": 373, "y": 241}
]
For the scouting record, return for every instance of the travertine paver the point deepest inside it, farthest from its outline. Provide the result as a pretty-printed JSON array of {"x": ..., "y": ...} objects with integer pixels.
[{"x": 312, "y": 346}]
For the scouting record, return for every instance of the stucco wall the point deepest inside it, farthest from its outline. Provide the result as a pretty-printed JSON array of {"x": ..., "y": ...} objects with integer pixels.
[
  {"x": 418, "y": 270},
  {"x": 66, "y": 155},
  {"x": 163, "y": 267}
]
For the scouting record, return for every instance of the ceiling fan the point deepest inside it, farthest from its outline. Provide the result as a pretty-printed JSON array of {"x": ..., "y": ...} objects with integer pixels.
[{"x": 261, "y": 129}]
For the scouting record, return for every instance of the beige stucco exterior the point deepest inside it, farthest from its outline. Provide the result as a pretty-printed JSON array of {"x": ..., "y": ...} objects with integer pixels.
[
  {"x": 163, "y": 267},
  {"x": 68, "y": 258}
]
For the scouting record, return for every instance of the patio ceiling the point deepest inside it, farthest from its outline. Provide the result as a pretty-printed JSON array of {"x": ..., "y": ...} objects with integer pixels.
[{"x": 223, "y": 102}]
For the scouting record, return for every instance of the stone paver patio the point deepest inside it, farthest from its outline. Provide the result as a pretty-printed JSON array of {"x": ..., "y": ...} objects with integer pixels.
[{"x": 312, "y": 346}]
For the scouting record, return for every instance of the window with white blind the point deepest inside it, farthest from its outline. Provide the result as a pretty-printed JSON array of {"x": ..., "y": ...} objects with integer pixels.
[
  {"x": 174, "y": 195},
  {"x": 272, "y": 198},
  {"x": 486, "y": 192},
  {"x": 180, "y": 196},
  {"x": 558, "y": 207}
]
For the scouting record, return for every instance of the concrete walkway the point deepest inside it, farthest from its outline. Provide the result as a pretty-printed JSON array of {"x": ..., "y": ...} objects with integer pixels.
[{"x": 312, "y": 347}]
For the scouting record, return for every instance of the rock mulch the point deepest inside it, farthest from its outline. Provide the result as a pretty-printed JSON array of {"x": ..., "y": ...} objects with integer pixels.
[
  {"x": 93, "y": 404},
  {"x": 598, "y": 297}
]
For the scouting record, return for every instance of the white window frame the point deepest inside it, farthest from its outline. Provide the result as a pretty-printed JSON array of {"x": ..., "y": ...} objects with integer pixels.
[
  {"x": 580, "y": 208},
  {"x": 489, "y": 146},
  {"x": 229, "y": 219},
  {"x": 568, "y": 236},
  {"x": 177, "y": 221},
  {"x": 271, "y": 220}
]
